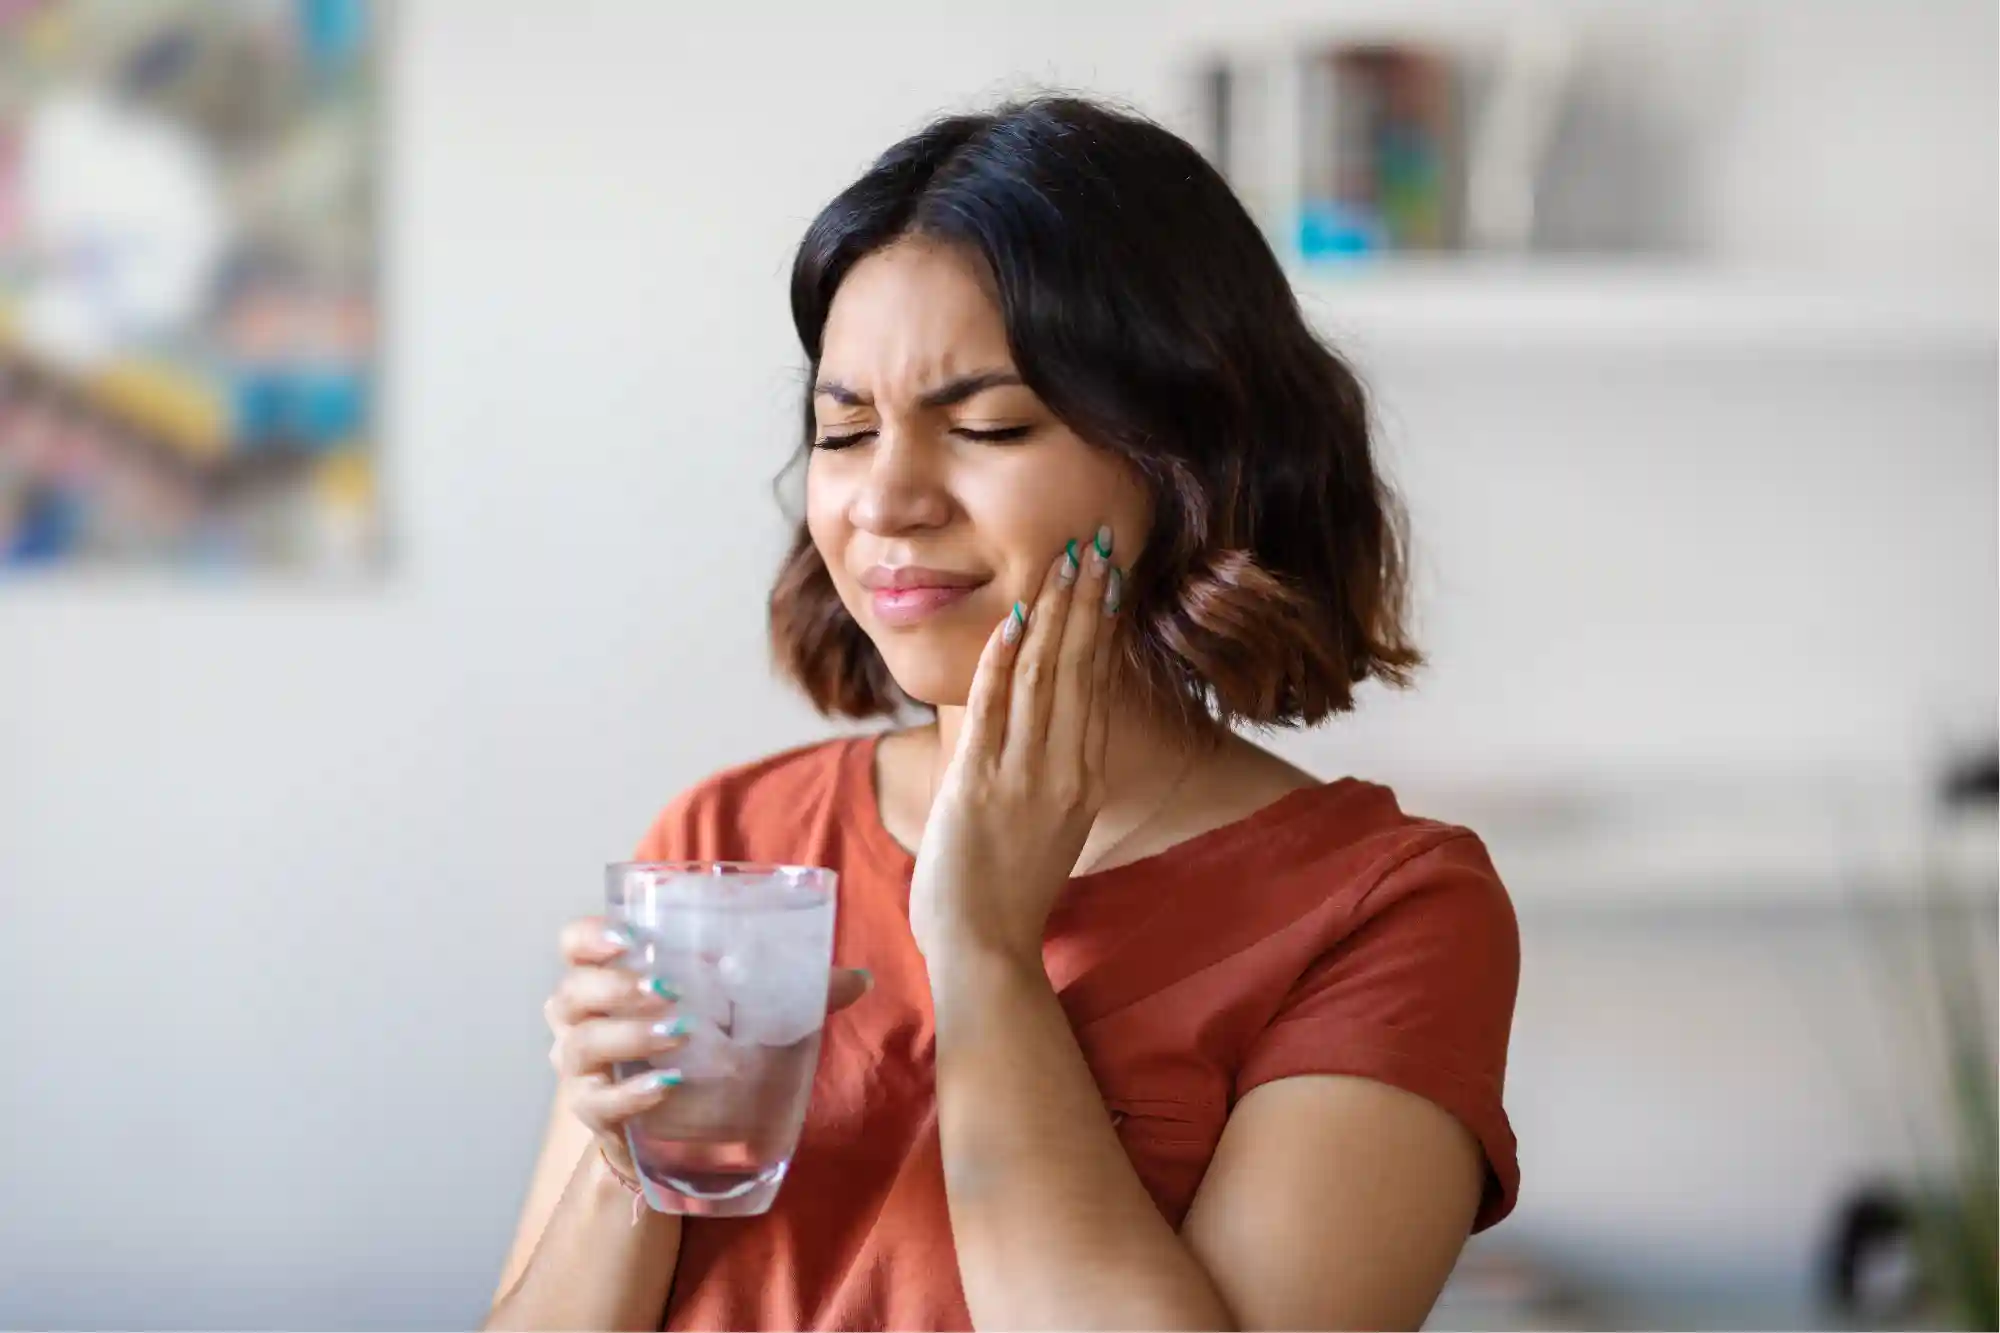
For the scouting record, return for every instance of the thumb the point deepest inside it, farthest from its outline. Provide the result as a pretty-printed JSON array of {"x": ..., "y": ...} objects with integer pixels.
[{"x": 845, "y": 985}]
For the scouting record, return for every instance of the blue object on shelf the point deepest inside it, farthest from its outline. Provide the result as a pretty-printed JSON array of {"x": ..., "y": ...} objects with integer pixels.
[
  {"x": 1329, "y": 229},
  {"x": 332, "y": 32}
]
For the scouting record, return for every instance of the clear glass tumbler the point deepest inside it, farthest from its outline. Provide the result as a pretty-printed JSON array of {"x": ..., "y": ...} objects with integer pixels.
[{"x": 748, "y": 949}]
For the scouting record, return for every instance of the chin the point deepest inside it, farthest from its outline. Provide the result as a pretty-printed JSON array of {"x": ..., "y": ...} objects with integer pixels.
[{"x": 936, "y": 678}]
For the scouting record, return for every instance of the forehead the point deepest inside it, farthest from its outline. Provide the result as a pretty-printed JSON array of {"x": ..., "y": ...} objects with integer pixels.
[{"x": 909, "y": 316}]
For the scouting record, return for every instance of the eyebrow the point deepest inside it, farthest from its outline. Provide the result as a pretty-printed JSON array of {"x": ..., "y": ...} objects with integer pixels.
[{"x": 952, "y": 391}]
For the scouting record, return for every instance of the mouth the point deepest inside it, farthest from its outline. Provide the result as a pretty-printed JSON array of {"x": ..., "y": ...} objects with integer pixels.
[
  {"x": 902, "y": 595},
  {"x": 912, "y": 605}
]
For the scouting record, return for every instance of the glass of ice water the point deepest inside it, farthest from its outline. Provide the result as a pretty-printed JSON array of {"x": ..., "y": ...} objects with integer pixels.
[{"x": 748, "y": 948}]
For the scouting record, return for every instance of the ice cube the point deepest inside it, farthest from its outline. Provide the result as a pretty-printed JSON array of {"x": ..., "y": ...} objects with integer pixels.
[
  {"x": 708, "y": 1054},
  {"x": 777, "y": 995},
  {"x": 694, "y": 977},
  {"x": 676, "y": 914}
]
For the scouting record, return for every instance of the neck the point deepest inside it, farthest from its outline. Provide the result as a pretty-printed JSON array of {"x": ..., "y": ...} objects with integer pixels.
[{"x": 1143, "y": 762}]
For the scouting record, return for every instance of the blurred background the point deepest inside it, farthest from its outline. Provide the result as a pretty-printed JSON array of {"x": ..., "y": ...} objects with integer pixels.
[{"x": 388, "y": 402}]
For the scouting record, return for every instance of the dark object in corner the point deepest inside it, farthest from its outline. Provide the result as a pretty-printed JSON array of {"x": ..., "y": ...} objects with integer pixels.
[{"x": 1970, "y": 780}]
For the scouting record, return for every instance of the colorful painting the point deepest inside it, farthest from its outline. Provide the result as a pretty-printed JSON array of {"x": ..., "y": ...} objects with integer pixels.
[{"x": 188, "y": 285}]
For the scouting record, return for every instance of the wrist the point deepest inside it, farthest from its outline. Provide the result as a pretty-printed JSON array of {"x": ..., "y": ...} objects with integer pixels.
[
  {"x": 965, "y": 954},
  {"x": 972, "y": 976},
  {"x": 615, "y": 1173}
]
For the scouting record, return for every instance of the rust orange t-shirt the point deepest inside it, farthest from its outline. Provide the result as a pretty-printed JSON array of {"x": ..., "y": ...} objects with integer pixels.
[{"x": 1328, "y": 933}]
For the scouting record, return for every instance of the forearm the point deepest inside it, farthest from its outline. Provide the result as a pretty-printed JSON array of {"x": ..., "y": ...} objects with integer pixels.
[
  {"x": 1052, "y": 1225},
  {"x": 594, "y": 1268}
]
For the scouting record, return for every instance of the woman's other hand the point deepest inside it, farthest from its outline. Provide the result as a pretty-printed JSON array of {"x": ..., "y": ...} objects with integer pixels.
[{"x": 603, "y": 1015}]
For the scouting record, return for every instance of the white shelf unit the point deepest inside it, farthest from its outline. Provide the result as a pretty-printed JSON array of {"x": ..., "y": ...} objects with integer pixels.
[
  {"x": 1652, "y": 850},
  {"x": 1640, "y": 306}
]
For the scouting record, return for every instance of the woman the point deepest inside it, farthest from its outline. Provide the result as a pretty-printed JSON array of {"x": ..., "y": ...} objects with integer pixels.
[{"x": 1159, "y": 1030}]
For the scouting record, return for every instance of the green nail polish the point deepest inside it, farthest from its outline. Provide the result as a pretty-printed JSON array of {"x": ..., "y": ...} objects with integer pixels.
[
  {"x": 1114, "y": 590},
  {"x": 1017, "y": 619},
  {"x": 669, "y": 1078},
  {"x": 1103, "y": 542},
  {"x": 1069, "y": 552},
  {"x": 662, "y": 989},
  {"x": 673, "y": 1027}
]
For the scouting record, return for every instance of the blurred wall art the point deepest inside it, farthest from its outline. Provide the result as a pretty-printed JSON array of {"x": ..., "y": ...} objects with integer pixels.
[{"x": 188, "y": 285}]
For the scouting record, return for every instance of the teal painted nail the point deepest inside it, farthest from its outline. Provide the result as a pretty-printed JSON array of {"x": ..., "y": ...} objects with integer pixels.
[
  {"x": 618, "y": 937},
  {"x": 1114, "y": 590},
  {"x": 662, "y": 989},
  {"x": 1017, "y": 620},
  {"x": 1071, "y": 566},
  {"x": 669, "y": 1078},
  {"x": 1103, "y": 541},
  {"x": 673, "y": 1027}
]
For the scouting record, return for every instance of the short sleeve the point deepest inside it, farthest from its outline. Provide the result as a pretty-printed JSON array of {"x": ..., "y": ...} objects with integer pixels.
[{"x": 1418, "y": 992}]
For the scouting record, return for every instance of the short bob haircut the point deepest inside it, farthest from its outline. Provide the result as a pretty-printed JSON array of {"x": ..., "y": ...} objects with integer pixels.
[{"x": 1143, "y": 306}]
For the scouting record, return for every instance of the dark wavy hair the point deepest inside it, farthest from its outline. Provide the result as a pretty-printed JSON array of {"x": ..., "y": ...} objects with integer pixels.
[{"x": 1143, "y": 306}]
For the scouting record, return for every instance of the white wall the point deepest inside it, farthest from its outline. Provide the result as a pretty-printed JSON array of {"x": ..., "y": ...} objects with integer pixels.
[{"x": 280, "y": 865}]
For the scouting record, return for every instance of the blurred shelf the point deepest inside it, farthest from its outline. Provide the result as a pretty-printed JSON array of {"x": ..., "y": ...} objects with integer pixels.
[
  {"x": 1730, "y": 849},
  {"x": 1631, "y": 306}
]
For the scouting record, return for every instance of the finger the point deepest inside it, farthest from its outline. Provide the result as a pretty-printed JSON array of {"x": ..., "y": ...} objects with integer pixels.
[
  {"x": 1035, "y": 665},
  {"x": 983, "y": 730},
  {"x": 1096, "y": 739},
  {"x": 845, "y": 985},
  {"x": 605, "y": 1105},
  {"x": 1070, "y": 709},
  {"x": 592, "y": 939},
  {"x": 596, "y": 1045},
  {"x": 589, "y": 992}
]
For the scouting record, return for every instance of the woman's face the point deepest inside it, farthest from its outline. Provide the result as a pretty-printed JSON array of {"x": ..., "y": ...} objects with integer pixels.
[{"x": 940, "y": 489}]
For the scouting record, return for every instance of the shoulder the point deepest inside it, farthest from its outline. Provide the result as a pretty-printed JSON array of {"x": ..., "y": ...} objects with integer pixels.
[
  {"x": 1346, "y": 851},
  {"x": 725, "y": 815},
  {"x": 1407, "y": 973},
  {"x": 1408, "y": 879},
  {"x": 1372, "y": 901}
]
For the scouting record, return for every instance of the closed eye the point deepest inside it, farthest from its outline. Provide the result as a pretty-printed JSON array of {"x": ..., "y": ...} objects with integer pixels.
[
  {"x": 998, "y": 435},
  {"x": 839, "y": 441}
]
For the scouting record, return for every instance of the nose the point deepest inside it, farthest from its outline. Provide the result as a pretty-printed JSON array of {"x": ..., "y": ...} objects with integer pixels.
[{"x": 903, "y": 488}]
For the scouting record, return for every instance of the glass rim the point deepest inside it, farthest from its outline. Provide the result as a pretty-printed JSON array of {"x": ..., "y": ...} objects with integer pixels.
[{"x": 720, "y": 869}]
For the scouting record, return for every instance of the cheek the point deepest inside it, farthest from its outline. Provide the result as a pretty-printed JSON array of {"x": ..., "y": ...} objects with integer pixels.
[{"x": 826, "y": 521}]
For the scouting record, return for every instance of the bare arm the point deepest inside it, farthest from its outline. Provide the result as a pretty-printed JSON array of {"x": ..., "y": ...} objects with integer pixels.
[
  {"x": 1053, "y": 1228},
  {"x": 1331, "y": 1202},
  {"x": 1335, "y": 1202},
  {"x": 578, "y": 1260}
]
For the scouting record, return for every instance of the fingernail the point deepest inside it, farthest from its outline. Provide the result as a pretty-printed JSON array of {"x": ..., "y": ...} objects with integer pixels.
[
  {"x": 1114, "y": 591},
  {"x": 867, "y": 978},
  {"x": 1103, "y": 542},
  {"x": 618, "y": 937},
  {"x": 662, "y": 989},
  {"x": 669, "y": 1078},
  {"x": 672, "y": 1027},
  {"x": 1017, "y": 620},
  {"x": 1070, "y": 566}
]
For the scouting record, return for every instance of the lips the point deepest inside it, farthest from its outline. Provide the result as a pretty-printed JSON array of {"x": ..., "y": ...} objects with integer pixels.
[
  {"x": 907, "y": 606},
  {"x": 908, "y": 594}
]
